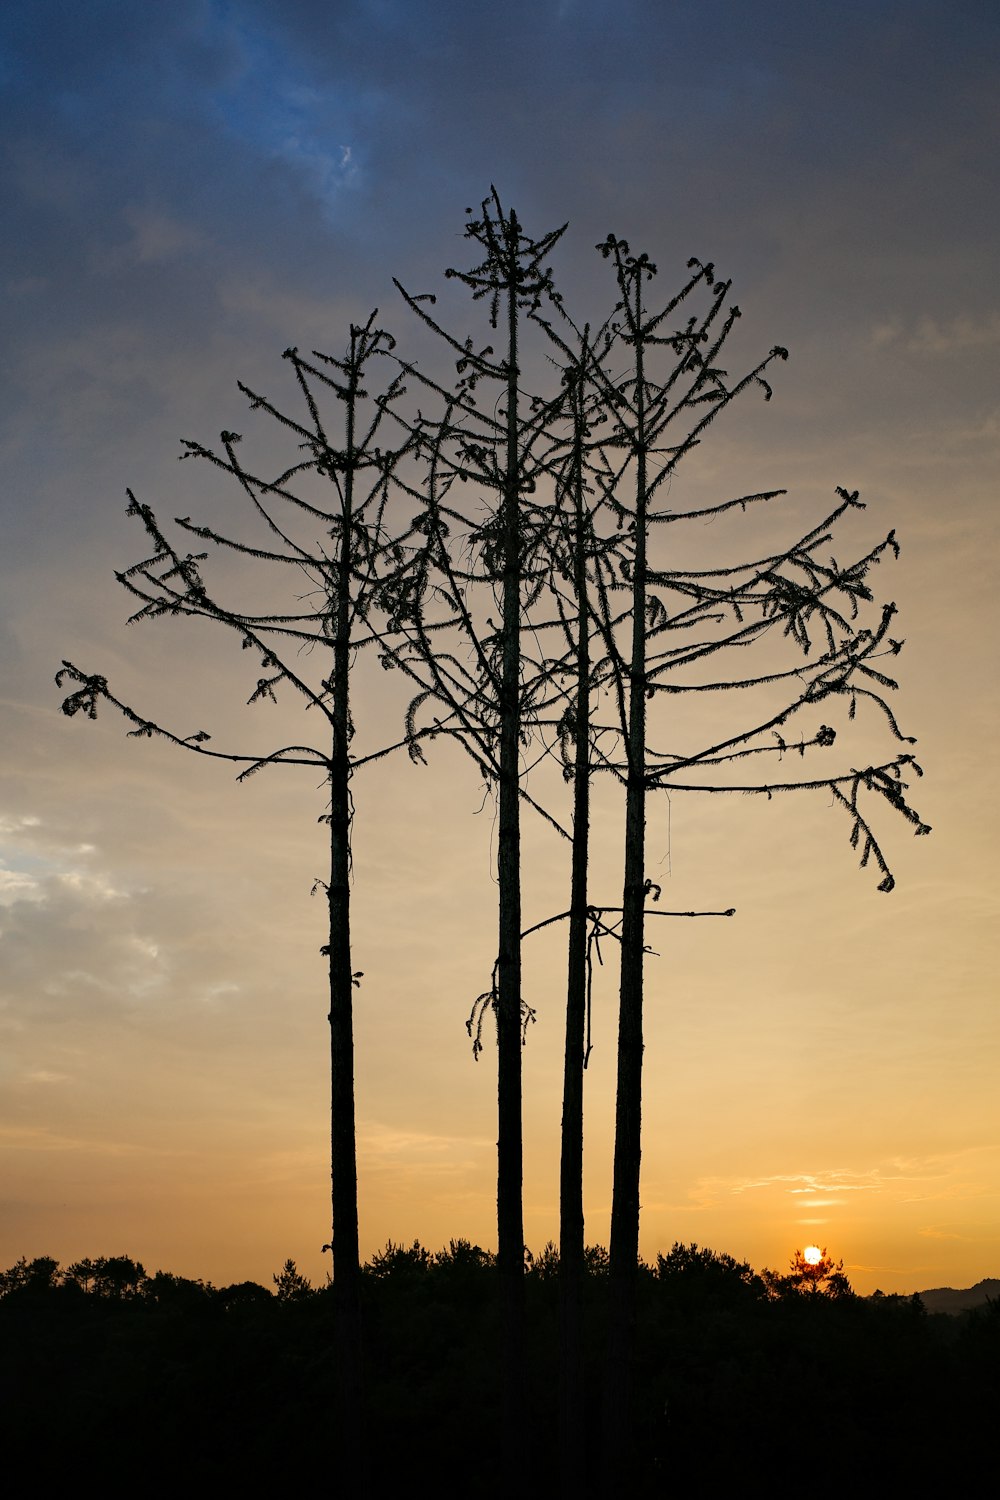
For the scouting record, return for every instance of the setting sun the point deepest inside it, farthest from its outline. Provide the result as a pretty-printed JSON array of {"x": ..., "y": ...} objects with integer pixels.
[{"x": 812, "y": 1255}]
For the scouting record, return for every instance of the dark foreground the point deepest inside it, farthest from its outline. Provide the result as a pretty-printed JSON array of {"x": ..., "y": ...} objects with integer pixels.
[{"x": 157, "y": 1381}]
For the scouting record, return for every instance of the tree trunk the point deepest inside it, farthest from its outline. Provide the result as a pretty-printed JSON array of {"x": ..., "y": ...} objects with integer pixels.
[
  {"x": 628, "y": 1113},
  {"x": 343, "y": 1148},
  {"x": 571, "y": 1220},
  {"x": 510, "y": 1220}
]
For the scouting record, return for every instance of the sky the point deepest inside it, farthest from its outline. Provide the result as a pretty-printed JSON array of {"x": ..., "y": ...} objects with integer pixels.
[{"x": 189, "y": 190}]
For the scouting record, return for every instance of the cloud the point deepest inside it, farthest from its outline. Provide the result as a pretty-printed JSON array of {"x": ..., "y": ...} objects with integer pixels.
[
  {"x": 271, "y": 304},
  {"x": 885, "y": 333},
  {"x": 45, "y": 1139},
  {"x": 324, "y": 170},
  {"x": 836, "y": 1181},
  {"x": 902, "y": 1179},
  {"x": 36, "y": 866},
  {"x": 940, "y": 1177},
  {"x": 933, "y": 336},
  {"x": 91, "y": 887},
  {"x": 72, "y": 935},
  {"x": 963, "y": 332},
  {"x": 385, "y": 1148},
  {"x": 158, "y": 237},
  {"x": 17, "y": 885}
]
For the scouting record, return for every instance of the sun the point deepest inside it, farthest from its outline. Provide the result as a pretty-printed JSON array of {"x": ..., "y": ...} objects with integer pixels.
[{"x": 812, "y": 1255}]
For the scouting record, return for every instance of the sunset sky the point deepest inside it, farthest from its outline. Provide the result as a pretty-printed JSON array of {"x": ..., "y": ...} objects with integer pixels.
[{"x": 190, "y": 189}]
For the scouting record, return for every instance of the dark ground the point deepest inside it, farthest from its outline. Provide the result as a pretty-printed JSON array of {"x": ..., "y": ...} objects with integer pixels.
[{"x": 169, "y": 1383}]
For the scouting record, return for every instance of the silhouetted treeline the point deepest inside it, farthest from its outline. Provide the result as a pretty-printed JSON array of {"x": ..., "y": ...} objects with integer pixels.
[{"x": 123, "y": 1376}]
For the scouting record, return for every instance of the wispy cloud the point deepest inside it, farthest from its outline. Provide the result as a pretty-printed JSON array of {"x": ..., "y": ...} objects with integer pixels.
[
  {"x": 939, "y": 336},
  {"x": 942, "y": 1177},
  {"x": 41, "y": 1138},
  {"x": 822, "y": 1182},
  {"x": 385, "y": 1148},
  {"x": 37, "y": 866},
  {"x": 156, "y": 237},
  {"x": 273, "y": 305},
  {"x": 14, "y": 824},
  {"x": 17, "y": 885}
]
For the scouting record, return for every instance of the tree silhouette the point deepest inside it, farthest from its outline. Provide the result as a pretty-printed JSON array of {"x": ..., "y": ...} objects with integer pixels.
[
  {"x": 685, "y": 630},
  {"x": 811, "y": 1276},
  {"x": 111, "y": 1276},
  {"x": 575, "y": 553},
  {"x": 541, "y": 566},
  {"x": 40, "y": 1274},
  {"x": 494, "y": 706},
  {"x": 291, "y": 1285},
  {"x": 321, "y": 519}
]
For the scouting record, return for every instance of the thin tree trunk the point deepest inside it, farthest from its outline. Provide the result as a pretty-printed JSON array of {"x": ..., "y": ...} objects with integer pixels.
[
  {"x": 510, "y": 1221},
  {"x": 571, "y": 1220},
  {"x": 343, "y": 1150},
  {"x": 628, "y": 1114}
]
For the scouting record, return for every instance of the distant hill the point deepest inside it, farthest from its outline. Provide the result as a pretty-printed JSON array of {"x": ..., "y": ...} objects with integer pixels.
[{"x": 944, "y": 1299}]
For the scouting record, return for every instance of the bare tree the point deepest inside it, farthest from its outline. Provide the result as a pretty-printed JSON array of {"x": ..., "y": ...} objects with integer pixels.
[
  {"x": 507, "y": 613},
  {"x": 577, "y": 560},
  {"x": 686, "y": 630},
  {"x": 336, "y": 492},
  {"x": 503, "y": 456},
  {"x": 590, "y": 549}
]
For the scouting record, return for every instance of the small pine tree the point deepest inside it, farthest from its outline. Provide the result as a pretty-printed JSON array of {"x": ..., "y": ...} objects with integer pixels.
[{"x": 291, "y": 1285}]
